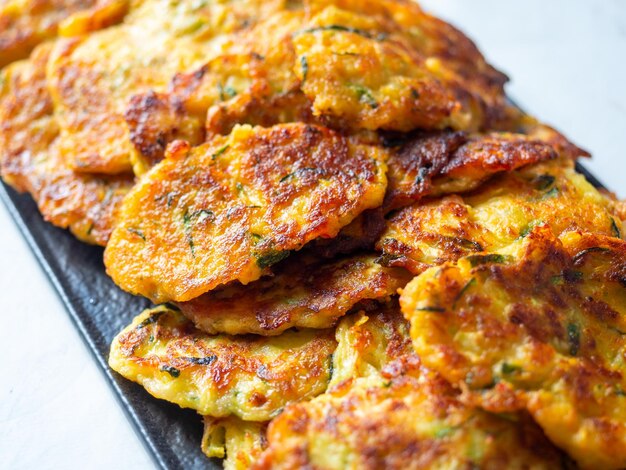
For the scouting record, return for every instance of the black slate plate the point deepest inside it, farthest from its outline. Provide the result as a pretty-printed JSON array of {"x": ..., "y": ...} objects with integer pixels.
[{"x": 100, "y": 310}]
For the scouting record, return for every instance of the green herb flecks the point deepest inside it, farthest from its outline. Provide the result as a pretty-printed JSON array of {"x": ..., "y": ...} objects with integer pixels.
[
  {"x": 331, "y": 367},
  {"x": 295, "y": 173},
  {"x": 617, "y": 233},
  {"x": 552, "y": 193},
  {"x": 219, "y": 152},
  {"x": 529, "y": 228},
  {"x": 202, "y": 361},
  {"x": 492, "y": 258},
  {"x": 271, "y": 257},
  {"x": 509, "y": 369},
  {"x": 573, "y": 338},
  {"x": 188, "y": 228},
  {"x": 365, "y": 96},
  {"x": 594, "y": 249},
  {"x": 343, "y": 29},
  {"x": 150, "y": 320},
  {"x": 173, "y": 371},
  {"x": 543, "y": 182},
  {"x": 465, "y": 288},
  {"x": 304, "y": 64},
  {"x": 429, "y": 308},
  {"x": 137, "y": 232},
  {"x": 226, "y": 92}
]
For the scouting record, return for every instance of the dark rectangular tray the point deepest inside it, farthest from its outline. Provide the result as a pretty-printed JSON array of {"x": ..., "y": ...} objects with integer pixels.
[{"x": 100, "y": 310}]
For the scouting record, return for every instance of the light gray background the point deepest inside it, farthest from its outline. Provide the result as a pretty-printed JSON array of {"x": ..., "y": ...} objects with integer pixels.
[{"x": 567, "y": 60}]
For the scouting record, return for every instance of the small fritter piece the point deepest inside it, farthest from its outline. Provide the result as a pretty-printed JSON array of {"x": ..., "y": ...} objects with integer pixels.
[
  {"x": 384, "y": 410},
  {"x": 304, "y": 292},
  {"x": 494, "y": 215},
  {"x": 229, "y": 209},
  {"x": 236, "y": 441},
  {"x": 540, "y": 327},
  {"x": 26, "y": 23},
  {"x": 249, "y": 377},
  {"x": 30, "y": 159},
  {"x": 447, "y": 162},
  {"x": 93, "y": 78},
  {"x": 388, "y": 65}
]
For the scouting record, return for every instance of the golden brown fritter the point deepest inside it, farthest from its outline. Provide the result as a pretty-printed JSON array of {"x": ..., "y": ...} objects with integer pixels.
[
  {"x": 384, "y": 410},
  {"x": 30, "y": 159},
  {"x": 305, "y": 292},
  {"x": 93, "y": 78},
  {"x": 414, "y": 420},
  {"x": 494, "y": 215},
  {"x": 379, "y": 65},
  {"x": 229, "y": 209},
  {"x": 26, "y": 23},
  {"x": 539, "y": 326},
  {"x": 446, "y": 162},
  {"x": 236, "y": 441},
  {"x": 245, "y": 376}
]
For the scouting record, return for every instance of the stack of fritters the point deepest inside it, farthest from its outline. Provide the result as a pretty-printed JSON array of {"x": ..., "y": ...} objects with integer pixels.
[{"x": 275, "y": 174}]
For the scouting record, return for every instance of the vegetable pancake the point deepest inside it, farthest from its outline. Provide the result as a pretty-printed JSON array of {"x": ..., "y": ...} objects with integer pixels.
[
  {"x": 245, "y": 376},
  {"x": 539, "y": 326},
  {"x": 92, "y": 78},
  {"x": 26, "y": 23},
  {"x": 236, "y": 441},
  {"x": 304, "y": 293},
  {"x": 447, "y": 162},
  {"x": 229, "y": 209},
  {"x": 30, "y": 159},
  {"x": 494, "y": 215},
  {"x": 384, "y": 410}
]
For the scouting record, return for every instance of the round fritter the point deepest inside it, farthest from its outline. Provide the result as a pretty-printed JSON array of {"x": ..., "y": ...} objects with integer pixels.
[
  {"x": 92, "y": 78},
  {"x": 493, "y": 216},
  {"x": 30, "y": 159},
  {"x": 304, "y": 292},
  {"x": 436, "y": 163},
  {"x": 384, "y": 410},
  {"x": 540, "y": 327},
  {"x": 230, "y": 208},
  {"x": 26, "y": 23},
  {"x": 249, "y": 377},
  {"x": 388, "y": 65},
  {"x": 236, "y": 441}
]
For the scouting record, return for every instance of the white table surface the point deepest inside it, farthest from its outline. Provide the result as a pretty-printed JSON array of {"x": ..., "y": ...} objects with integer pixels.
[{"x": 567, "y": 59}]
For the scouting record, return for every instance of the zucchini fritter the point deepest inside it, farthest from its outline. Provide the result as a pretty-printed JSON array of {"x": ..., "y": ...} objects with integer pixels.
[
  {"x": 304, "y": 293},
  {"x": 438, "y": 163},
  {"x": 494, "y": 215},
  {"x": 384, "y": 410},
  {"x": 30, "y": 159},
  {"x": 380, "y": 65},
  {"x": 236, "y": 441},
  {"x": 414, "y": 420},
  {"x": 26, "y": 23},
  {"x": 249, "y": 377},
  {"x": 540, "y": 326},
  {"x": 229, "y": 209}
]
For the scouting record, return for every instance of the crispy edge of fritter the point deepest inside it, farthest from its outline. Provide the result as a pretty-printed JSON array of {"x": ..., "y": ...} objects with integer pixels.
[
  {"x": 251, "y": 377},
  {"x": 302, "y": 293}
]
